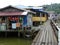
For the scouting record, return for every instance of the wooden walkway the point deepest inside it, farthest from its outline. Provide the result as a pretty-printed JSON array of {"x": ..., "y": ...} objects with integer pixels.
[{"x": 45, "y": 36}]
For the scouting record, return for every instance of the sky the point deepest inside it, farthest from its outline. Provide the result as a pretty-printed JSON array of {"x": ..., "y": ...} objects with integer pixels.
[{"x": 4, "y": 3}]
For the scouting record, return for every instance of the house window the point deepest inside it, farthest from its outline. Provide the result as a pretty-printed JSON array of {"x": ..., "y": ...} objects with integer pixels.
[
  {"x": 36, "y": 23},
  {"x": 48, "y": 15},
  {"x": 38, "y": 14},
  {"x": 43, "y": 15}
]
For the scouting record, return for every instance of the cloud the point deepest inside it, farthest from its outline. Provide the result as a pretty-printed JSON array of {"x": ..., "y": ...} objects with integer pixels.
[{"x": 4, "y": 3}]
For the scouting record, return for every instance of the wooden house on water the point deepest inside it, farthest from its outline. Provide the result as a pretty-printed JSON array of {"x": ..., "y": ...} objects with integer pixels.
[
  {"x": 12, "y": 18},
  {"x": 39, "y": 17}
]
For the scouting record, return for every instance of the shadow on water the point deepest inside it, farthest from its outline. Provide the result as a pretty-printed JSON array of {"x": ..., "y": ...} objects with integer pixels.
[{"x": 12, "y": 39}]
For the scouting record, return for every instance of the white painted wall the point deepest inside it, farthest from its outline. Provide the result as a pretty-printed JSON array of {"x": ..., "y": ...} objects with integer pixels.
[{"x": 29, "y": 20}]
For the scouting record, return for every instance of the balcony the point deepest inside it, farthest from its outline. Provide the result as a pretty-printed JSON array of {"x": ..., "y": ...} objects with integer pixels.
[{"x": 39, "y": 18}]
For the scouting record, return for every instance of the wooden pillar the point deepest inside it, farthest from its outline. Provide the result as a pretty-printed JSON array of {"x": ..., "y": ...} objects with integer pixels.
[
  {"x": 32, "y": 22},
  {"x": 6, "y": 34},
  {"x": 46, "y": 16},
  {"x": 7, "y": 23},
  {"x": 40, "y": 19},
  {"x": 18, "y": 29},
  {"x": 22, "y": 23},
  {"x": 18, "y": 34},
  {"x": 6, "y": 19}
]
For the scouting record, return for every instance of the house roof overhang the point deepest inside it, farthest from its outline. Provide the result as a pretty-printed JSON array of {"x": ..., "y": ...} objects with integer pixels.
[{"x": 3, "y": 11}]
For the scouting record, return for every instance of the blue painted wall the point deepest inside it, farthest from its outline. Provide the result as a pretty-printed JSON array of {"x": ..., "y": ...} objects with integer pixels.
[{"x": 24, "y": 20}]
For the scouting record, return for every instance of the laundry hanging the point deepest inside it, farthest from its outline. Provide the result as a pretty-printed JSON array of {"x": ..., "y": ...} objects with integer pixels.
[{"x": 13, "y": 25}]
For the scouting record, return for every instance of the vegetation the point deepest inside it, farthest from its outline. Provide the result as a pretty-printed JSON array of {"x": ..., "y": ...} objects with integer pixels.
[{"x": 53, "y": 7}]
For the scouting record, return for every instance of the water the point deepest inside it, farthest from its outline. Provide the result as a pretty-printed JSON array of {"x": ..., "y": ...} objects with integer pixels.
[{"x": 15, "y": 41}]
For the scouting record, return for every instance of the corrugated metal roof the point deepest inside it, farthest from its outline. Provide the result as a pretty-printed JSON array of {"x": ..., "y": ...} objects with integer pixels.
[
  {"x": 24, "y": 13},
  {"x": 12, "y": 13},
  {"x": 11, "y": 7},
  {"x": 20, "y": 12}
]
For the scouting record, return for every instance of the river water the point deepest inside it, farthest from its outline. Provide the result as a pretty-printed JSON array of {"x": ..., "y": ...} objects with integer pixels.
[{"x": 15, "y": 41}]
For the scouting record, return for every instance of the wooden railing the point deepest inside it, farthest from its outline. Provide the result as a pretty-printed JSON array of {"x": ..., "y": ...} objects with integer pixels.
[{"x": 55, "y": 29}]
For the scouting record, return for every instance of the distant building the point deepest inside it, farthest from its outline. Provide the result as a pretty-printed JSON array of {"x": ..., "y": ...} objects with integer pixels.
[
  {"x": 51, "y": 14},
  {"x": 57, "y": 16}
]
